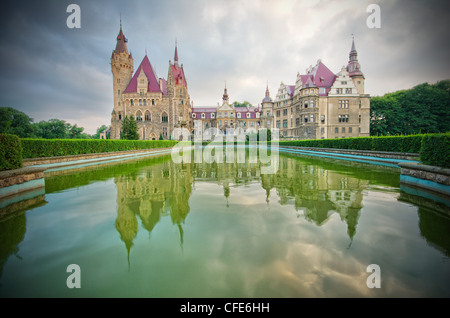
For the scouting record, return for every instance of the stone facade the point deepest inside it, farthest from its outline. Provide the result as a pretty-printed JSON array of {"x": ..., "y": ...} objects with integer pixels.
[
  {"x": 157, "y": 104},
  {"x": 322, "y": 104}
]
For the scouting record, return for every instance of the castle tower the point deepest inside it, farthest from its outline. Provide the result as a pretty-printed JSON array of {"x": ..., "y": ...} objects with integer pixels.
[
  {"x": 225, "y": 97},
  {"x": 354, "y": 69},
  {"x": 180, "y": 104},
  {"x": 122, "y": 70},
  {"x": 267, "y": 110}
]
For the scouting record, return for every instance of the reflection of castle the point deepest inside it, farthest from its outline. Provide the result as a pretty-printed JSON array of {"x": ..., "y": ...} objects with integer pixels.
[
  {"x": 318, "y": 192},
  {"x": 156, "y": 190}
]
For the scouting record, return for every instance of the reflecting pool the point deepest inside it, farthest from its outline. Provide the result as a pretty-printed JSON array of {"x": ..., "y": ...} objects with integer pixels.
[{"x": 153, "y": 228}]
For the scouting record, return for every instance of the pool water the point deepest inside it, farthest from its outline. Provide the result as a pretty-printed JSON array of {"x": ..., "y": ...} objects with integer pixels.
[{"x": 154, "y": 228}]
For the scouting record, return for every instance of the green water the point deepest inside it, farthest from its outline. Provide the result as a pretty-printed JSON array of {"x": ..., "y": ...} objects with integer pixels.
[{"x": 153, "y": 228}]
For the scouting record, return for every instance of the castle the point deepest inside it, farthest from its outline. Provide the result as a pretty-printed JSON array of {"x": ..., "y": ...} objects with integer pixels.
[
  {"x": 320, "y": 105},
  {"x": 157, "y": 104}
]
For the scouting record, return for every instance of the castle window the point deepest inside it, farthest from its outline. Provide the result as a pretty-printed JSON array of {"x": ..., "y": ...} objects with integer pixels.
[
  {"x": 120, "y": 116},
  {"x": 142, "y": 81},
  {"x": 203, "y": 115},
  {"x": 213, "y": 115},
  {"x": 139, "y": 116},
  {"x": 248, "y": 115},
  {"x": 257, "y": 115},
  {"x": 278, "y": 124},
  {"x": 145, "y": 102},
  {"x": 132, "y": 102},
  {"x": 118, "y": 92},
  {"x": 350, "y": 130},
  {"x": 343, "y": 130},
  {"x": 306, "y": 104},
  {"x": 322, "y": 119},
  {"x": 312, "y": 103},
  {"x": 153, "y": 102},
  {"x": 238, "y": 115},
  {"x": 140, "y": 102},
  {"x": 312, "y": 118},
  {"x": 359, "y": 119},
  {"x": 322, "y": 130},
  {"x": 336, "y": 130},
  {"x": 306, "y": 119},
  {"x": 278, "y": 113},
  {"x": 164, "y": 118},
  {"x": 285, "y": 112},
  {"x": 194, "y": 115},
  {"x": 348, "y": 91},
  {"x": 297, "y": 121},
  {"x": 344, "y": 82},
  {"x": 148, "y": 117}
]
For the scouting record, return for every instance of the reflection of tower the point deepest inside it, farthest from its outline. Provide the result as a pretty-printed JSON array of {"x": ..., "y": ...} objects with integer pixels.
[
  {"x": 151, "y": 192},
  {"x": 126, "y": 225}
]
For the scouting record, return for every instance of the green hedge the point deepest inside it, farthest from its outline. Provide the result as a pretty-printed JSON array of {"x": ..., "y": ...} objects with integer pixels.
[
  {"x": 34, "y": 148},
  {"x": 409, "y": 144},
  {"x": 10, "y": 152},
  {"x": 435, "y": 150}
]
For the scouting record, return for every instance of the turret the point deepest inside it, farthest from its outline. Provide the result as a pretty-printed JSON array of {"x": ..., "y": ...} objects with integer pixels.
[{"x": 354, "y": 69}]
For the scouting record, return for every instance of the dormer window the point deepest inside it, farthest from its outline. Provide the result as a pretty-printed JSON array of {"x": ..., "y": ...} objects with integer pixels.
[
  {"x": 194, "y": 115},
  {"x": 203, "y": 115},
  {"x": 213, "y": 115}
]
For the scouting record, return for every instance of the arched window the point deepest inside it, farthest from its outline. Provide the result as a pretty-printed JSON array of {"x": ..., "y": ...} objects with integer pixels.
[
  {"x": 164, "y": 118},
  {"x": 140, "y": 102},
  {"x": 148, "y": 117},
  {"x": 132, "y": 102},
  {"x": 139, "y": 116}
]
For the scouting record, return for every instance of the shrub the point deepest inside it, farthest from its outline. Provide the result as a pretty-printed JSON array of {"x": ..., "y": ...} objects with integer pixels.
[
  {"x": 34, "y": 148},
  {"x": 10, "y": 152},
  {"x": 409, "y": 144},
  {"x": 435, "y": 150}
]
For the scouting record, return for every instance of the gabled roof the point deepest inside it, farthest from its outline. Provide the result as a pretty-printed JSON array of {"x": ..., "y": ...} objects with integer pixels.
[
  {"x": 147, "y": 68},
  {"x": 178, "y": 74},
  {"x": 320, "y": 76}
]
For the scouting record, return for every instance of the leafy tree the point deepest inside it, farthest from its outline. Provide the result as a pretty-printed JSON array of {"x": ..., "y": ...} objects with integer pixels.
[
  {"x": 75, "y": 132},
  {"x": 422, "y": 109},
  {"x": 54, "y": 128},
  {"x": 99, "y": 130},
  {"x": 15, "y": 122},
  {"x": 244, "y": 104},
  {"x": 129, "y": 128},
  {"x": 161, "y": 137}
]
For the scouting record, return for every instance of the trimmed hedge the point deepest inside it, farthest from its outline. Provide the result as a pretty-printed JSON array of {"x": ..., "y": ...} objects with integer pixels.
[
  {"x": 10, "y": 152},
  {"x": 409, "y": 144},
  {"x": 34, "y": 148},
  {"x": 435, "y": 150}
]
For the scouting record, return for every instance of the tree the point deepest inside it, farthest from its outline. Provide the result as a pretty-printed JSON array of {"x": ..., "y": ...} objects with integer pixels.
[
  {"x": 52, "y": 129},
  {"x": 129, "y": 128},
  {"x": 423, "y": 109},
  {"x": 15, "y": 122},
  {"x": 99, "y": 130},
  {"x": 75, "y": 132},
  {"x": 161, "y": 137},
  {"x": 244, "y": 104}
]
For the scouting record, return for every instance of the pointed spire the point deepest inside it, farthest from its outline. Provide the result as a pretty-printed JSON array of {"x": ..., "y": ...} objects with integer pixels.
[
  {"x": 121, "y": 45},
  {"x": 225, "y": 93},
  {"x": 176, "y": 52},
  {"x": 353, "y": 66},
  {"x": 267, "y": 90}
]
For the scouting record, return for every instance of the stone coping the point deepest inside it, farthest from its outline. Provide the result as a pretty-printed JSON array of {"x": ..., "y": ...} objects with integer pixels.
[
  {"x": 423, "y": 167},
  {"x": 21, "y": 171}
]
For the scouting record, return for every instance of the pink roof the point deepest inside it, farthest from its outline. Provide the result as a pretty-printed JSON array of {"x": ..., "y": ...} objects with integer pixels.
[
  {"x": 147, "y": 68},
  {"x": 178, "y": 75},
  {"x": 290, "y": 89},
  {"x": 322, "y": 76}
]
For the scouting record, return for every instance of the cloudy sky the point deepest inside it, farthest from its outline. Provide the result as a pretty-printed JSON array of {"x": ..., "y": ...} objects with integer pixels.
[{"x": 50, "y": 71}]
